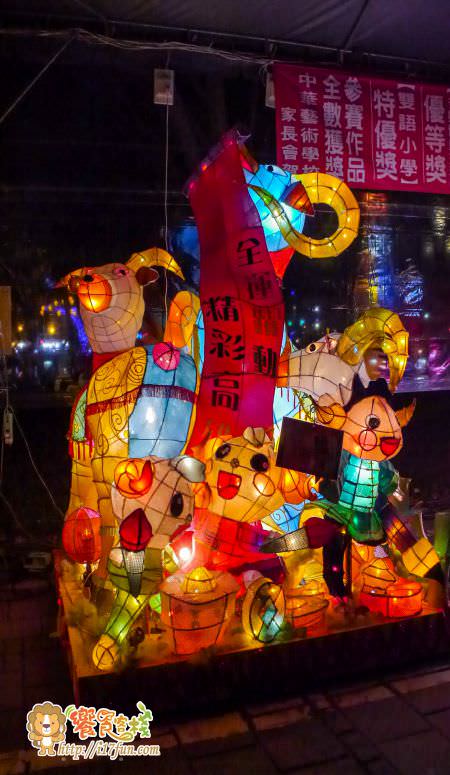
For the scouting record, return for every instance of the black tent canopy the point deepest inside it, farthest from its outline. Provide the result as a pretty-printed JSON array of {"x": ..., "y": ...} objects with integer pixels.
[{"x": 405, "y": 29}]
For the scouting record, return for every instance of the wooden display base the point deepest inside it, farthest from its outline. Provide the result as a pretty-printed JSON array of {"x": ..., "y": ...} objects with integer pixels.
[{"x": 254, "y": 672}]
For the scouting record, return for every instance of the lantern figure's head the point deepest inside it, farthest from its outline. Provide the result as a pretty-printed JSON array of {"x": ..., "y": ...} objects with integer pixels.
[
  {"x": 243, "y": 480},
  {"x": 328, "y": 367},
  {"x": 112, "y": 300},
  {"x": 317, "y": 370},
  {"x": 161, "y": 489},
  {"x": 372, "y": 429}
]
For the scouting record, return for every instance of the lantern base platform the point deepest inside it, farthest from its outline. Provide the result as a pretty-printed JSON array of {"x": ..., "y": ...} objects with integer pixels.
[{"x": 254, "y": 672}]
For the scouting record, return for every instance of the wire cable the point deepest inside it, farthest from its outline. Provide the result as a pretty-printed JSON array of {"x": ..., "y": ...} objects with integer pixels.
[
  {"x": 166, "y": 213},
  {"x": 35, "y": 468},
  {"x": 35, "y": 80}
]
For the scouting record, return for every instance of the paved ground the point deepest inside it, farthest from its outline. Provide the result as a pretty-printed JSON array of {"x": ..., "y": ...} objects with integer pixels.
[{"x": 400, "y": 725}]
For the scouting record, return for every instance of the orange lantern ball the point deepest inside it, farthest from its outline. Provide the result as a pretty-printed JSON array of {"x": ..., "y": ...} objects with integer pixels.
[
  {"x": 133, "y": 477},
  {"x": 81, "y": 535}
]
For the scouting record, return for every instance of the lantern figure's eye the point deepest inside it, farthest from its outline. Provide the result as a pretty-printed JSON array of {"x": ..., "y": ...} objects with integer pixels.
[
  {"x": 269, "y": 168},
  {"x": 88, "y": 278},
  {"x": 120, "y": 271},
  {"x": 222, "y": 451},
  {"x": 372, "y": 421},
  {"x": 259, "y": 463},
  {"x": 312, "y": 348},
  {"x": 176, "y": 504}
]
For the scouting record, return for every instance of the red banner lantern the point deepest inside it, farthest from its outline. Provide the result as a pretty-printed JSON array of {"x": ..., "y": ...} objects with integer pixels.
[{"x": 241, "y": 300}]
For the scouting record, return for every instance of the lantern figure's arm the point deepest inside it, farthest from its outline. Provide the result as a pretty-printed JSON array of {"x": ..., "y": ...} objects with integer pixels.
[
  {"x": 183, "y": 313},
  {"x": 125, "y": 611},
  {"x": 126, "y": 607}
]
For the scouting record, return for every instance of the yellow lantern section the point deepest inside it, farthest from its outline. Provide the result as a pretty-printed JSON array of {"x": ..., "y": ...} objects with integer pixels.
[
  {"x": 199, "y": 580},
  {"x": 326, "y": 189}
]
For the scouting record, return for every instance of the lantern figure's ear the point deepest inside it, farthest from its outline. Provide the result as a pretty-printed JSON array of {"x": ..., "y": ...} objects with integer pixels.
[
  {"x": 192, "y": 469},
  {"x": 404, "y": 415},
  {"x": 146, "y": 275},
  {"x": 333, "y": 416},
  {"x": 248, "y": 162},
  {"x": 255, "y": 436},
  {"x": 154, "y": 257}
]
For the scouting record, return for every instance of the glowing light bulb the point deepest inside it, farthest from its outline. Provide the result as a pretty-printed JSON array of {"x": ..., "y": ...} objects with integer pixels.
[
  {"x": 150, "y": 415},
  {"x": 184, "y": 554}
]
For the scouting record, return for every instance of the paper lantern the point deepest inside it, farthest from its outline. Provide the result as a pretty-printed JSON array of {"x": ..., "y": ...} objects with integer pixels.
[
  {"x": 263, "y": 610},
  {"x": 159, "y": 423},
  {"x": 277, "y": 183},
  {"x": 196, "y": 608},
  {"x": 135, "y": 531},
  {"x": 134, "y": 477},
  {"x": 166, "y": 356},
  {"x": 112, "y": 308},
  {"x": 378, "y": 327},
  {"x": 81, "y": 535},
  {"x": 305, "y": 608},
  {"x": 378, "y": 576},
  {"x": 94, "y": 292},
  {"x": 403, "y": 598},
  {"x": 420, "y": 558}
]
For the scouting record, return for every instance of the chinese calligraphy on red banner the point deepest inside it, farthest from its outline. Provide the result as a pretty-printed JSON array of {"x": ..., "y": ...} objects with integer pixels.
[
  {"x": 241, "y": 300},
  {"x": 373, "y": 133}
]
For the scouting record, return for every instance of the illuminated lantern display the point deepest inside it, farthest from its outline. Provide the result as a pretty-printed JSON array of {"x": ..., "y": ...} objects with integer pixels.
[
  {"x": 81, "y": 535},
  {"x": 196, "y": 608},
  {"x": 176, "y": 498},
  {"x": 328, "y": 367},
  {"x": 153, "y": 501},
  {"x": 263, "y": 610}
]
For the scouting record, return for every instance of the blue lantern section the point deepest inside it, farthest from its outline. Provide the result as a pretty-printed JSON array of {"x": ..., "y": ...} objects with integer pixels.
[
  {"x": 159, "y": 423},
  {"x": 277, "y": 182}
]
